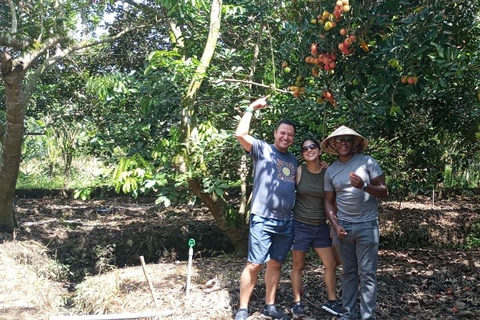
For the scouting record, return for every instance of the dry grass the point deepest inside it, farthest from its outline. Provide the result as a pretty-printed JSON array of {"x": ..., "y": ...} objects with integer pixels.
[
  {"x": 126, "y": 290},
  {"x": 29, "y": 287}
]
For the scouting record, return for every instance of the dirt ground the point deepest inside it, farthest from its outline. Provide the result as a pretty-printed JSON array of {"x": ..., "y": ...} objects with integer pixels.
[{"x": 72, "y": 258}]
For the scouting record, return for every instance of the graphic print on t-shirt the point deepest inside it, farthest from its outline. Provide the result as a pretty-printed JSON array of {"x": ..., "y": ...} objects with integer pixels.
[{"x": 285, "y": 171}]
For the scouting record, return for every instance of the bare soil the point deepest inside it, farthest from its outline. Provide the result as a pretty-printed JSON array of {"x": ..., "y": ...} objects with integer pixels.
[{"x": 72, "y": 258}]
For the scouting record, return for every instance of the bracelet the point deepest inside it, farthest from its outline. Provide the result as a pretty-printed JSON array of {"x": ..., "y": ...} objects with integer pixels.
[{"x": 249, "y": 109}]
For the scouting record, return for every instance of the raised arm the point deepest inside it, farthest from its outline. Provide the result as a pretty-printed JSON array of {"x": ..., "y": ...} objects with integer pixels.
[{"x": 243, "y": 128}]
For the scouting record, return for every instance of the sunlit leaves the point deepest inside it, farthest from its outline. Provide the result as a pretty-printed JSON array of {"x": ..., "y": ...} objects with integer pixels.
[
  {"x": 171, "y": 62},
  {"x": 110, "y": 86}
]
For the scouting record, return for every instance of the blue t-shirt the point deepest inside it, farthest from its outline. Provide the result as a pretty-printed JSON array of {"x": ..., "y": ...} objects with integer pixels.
[
  {"x": 273, "y": 181},
  {"x": 353, "y": 205}
]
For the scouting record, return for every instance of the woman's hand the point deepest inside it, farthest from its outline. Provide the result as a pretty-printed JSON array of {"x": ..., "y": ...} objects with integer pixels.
[{"x": 323, "y": 165}]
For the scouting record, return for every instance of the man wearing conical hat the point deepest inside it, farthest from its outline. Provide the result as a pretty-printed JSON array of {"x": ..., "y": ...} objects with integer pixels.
[{"x": 355, "y": 181}]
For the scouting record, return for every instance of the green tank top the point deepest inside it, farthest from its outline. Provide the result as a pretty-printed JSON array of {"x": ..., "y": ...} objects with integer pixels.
[{"x": 309, "y": 205}]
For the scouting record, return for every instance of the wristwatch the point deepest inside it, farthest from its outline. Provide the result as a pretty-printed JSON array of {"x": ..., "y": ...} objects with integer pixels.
[{"x": 365, "y": 185}]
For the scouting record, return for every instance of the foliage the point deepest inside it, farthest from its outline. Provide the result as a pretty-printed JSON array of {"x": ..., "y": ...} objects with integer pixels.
[
  {"x": 394, "y": 39},
  {"x": 86, "y": 173},
  {"x": 205, "y": 161},
  {"x": 407, "y": 122},
  {"x": 435, "y": 41},
  {"x": 123, "y": 103},
  {"x": 35, "y": 36},
  {"x": 473, "y": 241},
  {"x": 135, "y": 175},
  {"x": 473, "y": 237}
]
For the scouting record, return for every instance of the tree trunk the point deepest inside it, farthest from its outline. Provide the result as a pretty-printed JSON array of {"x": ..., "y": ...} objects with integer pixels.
[
  {"x": 236, "y": 232},
  {"x": 219, "y": 208},
  {"x": 12, "y": 147},
  {"x": 188, "y": 103},
  {"x": 13, "y": 69}
]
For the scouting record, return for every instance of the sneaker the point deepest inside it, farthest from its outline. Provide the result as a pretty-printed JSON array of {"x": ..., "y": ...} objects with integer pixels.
[
  {"x": 271, "y": 311},
  {"x": 297, "y": 309},
  {"x": 242, "y": 314},
  {"x": 332, "y": 307}
]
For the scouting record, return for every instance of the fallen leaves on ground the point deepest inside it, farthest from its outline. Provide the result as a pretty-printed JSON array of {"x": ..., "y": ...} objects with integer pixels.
[{"x": 428, "y": 283}]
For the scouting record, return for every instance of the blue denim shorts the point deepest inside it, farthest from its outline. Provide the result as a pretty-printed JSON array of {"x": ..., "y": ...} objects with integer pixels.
[
  {"x": 269, "y": 239},
  {"x": 306, "y": 236}
]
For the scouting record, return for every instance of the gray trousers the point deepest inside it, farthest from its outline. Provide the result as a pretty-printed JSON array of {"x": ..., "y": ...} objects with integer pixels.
[{"x": 359, "y": 254}]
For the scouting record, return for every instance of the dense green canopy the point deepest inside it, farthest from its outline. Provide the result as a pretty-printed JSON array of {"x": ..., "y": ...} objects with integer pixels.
[{"x": 151, "y": 102}]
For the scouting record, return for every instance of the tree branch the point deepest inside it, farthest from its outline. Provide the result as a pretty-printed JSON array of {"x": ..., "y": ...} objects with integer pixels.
[
  {"x": 60, "y": 54},
  {"x": 272, "y": 87},
  {"x": 14, "y": 16},
  {"x": 30, "y": 56},
  {"x": 188, "y": 100},
  {"x": 6, "y": 62},
  {"x": 256, "y": 52},
  {"x": 14, "y": 41},
  {"x": 177, "y": 32}
]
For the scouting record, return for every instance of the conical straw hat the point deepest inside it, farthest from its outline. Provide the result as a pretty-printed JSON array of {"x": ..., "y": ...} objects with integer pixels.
[{"x": 359, "y": 144}]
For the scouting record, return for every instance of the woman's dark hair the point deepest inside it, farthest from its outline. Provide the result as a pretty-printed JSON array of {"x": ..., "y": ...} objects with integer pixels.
[{"x": 309, "y": 139}]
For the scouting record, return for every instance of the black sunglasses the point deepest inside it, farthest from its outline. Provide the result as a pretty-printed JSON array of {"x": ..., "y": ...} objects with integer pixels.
[
  {"x": 312, "y": 146},
  {"x": 343, "y": 139}
]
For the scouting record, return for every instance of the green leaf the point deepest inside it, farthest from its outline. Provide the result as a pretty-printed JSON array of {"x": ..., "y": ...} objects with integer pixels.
[{"x": 439, "y": 48}]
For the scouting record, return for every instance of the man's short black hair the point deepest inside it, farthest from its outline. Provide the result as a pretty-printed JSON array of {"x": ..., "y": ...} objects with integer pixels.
[{"x": 287, "y": 122}]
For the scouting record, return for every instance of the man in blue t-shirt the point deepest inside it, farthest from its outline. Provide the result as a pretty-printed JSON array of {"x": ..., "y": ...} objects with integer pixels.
[
  {"x": 354, "y": 182},
  {"x": 271, "y": 213}
]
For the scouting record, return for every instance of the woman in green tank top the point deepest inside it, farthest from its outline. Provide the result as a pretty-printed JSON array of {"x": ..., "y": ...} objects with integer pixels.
[{"x": 310, "y": 228}]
